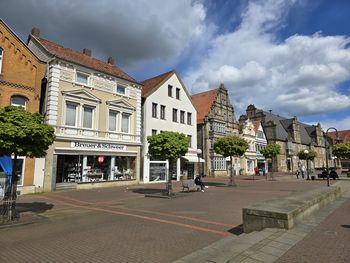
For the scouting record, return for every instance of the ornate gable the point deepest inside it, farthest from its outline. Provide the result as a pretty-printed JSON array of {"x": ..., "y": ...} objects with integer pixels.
[
  {"x": 81, "y": 94},
  {"x": 121, "y": 103}
]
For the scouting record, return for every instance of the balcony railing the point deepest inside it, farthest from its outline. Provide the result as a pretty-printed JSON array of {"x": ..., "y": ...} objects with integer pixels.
[{"x": 90, "y": 133}]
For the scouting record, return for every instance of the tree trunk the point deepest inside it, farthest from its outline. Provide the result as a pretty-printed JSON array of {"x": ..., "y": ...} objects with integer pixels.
[
  {"x": 232, "y": 179},
  {"x": 10, "y": 212}
]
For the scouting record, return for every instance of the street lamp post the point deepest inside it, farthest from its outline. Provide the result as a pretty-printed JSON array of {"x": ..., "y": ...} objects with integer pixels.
[
  {"x": 199, "y": 152},
  {"x": 307, "y": 164},
  {"x": 326, "y": 144}
]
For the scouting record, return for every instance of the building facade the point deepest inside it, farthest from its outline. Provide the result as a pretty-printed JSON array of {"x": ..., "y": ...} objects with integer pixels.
[
  {"x": 253, "y": 133},
  {"x": 215, "y": 119},
  {"x": 293, "y": 136},
  {"x": 21, "y": 75},
  {"x": 95, "y": 109},
  {"x": 167, "y": 106}
]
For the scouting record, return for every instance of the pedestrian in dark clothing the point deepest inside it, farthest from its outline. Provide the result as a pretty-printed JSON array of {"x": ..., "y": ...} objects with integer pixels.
[{"x": 198, "y": 181}]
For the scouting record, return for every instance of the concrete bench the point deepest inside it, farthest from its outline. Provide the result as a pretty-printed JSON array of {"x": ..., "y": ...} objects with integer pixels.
[
  {"x": 288, "y": 211},
  {"x": 189, "y": 185}
]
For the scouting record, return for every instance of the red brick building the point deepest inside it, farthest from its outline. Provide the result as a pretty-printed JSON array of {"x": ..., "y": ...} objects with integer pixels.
[{"x": 21, "y": 75}]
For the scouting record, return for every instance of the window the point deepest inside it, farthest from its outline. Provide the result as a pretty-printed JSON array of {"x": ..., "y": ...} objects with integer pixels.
[
  {"x": 154, "y": 132},
  {"x": 18, "y": 101},
  {"x": 1, "y": 52},
  {"x": 219, "y": 163},
  {"x": 125, "y": 122},
  {"x": 189, "y": 141},
  {"x": 121, "y": 89},
  {"x": 170, "y": 90},
  {"x": 113, "y": 117},
  {"x": 162, "y": 112},
  {"x": 261, "y": 134},
  {"x": 218, "y": 127},
  {"x": 177, "y": 93},
  {"x": 174, "y": 115},
  {"x": 82, "y": 78},
  {"x": 154, "y": 110},
  {"x": 71, "y": 114},
  {"x": 182, "y": 116},
  {"x": 189, "y": 118},
  {"x": 87, "y": 116}
]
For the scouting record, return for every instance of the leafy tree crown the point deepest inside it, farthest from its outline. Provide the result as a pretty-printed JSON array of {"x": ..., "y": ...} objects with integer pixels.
[
  {"x": 307, "y": 156},
  {"x": 271, "y": 150},
  {"x": 24, "y": 133},
  {"x": 167, "y": 145},
  {"x": 231, "y": 146},
  {"x": 342, "y": 150}
]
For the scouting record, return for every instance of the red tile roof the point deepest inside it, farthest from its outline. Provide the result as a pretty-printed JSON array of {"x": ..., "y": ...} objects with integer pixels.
[
  {"x": 82, "y": 59},
  {"x": 202, "y": 102},
  {"x": 149, "y": 85},
  {"x": 344, "y": 136}
]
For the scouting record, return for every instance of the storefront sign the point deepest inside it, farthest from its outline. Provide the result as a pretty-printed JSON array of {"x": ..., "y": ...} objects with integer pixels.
[
  {"x": 100, "y": 159},
  {"x": 99, "y": 146}
]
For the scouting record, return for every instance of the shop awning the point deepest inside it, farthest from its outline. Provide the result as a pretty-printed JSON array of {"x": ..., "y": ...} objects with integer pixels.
[{"x": 192, "y": 159}]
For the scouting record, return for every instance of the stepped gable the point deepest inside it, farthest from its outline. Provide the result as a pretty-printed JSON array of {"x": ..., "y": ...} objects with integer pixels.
[
  {"x": 203, "y": 102},
  {"x": 82, "y": 59}
]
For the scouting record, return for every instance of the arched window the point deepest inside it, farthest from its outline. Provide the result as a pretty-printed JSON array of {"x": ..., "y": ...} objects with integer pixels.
[
  {"x": 1, "y": 52},
  {"x": 18, "y": 101}
]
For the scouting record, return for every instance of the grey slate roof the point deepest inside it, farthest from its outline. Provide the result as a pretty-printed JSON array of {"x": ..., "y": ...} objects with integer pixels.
[{"x": 284, "y": 128}]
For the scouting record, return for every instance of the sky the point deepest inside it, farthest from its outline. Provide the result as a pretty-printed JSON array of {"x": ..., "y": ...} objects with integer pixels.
[{"x": 288, "y": 56}]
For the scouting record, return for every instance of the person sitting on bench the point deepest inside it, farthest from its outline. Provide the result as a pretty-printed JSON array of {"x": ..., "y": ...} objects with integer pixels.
[{"x": 198, "y": 181}]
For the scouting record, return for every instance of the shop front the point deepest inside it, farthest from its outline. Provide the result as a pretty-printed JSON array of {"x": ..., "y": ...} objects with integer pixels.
[{"x": 85, "y": 163}]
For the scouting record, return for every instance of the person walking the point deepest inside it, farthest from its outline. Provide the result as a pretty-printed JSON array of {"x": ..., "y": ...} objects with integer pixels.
[{"x": 302, "y": 171}]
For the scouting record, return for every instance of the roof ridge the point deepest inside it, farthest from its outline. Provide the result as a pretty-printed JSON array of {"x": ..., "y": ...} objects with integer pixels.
[
  {"x": 163, "y": 74},
  {"x": 211, "y": 90}
]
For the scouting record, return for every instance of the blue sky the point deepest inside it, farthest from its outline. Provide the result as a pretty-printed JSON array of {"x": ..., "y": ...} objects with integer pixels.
[{"x": 291, "y": 56}]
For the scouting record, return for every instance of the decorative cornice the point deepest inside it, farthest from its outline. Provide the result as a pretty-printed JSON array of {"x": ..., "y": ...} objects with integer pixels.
[{"x": 16, "y": 85}]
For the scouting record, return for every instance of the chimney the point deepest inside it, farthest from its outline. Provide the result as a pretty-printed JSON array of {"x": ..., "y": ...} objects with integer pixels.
[
  {"x": 110, "y": 61},
  {"x": 35, "y": 32},
  {"x": 87, "y": 51}
]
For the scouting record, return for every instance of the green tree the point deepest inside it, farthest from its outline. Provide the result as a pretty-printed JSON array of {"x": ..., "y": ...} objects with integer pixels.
[
  {"x": 167, "y": 146},
  {"x": 22, "y": 134},
  {"x": 307, "y": 155},
  {"x": 230, "y": 146},
  {"x": 271, "y": 151},
  {"x": 342, "y": 150}
]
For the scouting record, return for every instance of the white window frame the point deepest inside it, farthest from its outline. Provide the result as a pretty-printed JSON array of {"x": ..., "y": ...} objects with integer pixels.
[
  {"x": 129, "y": 122},
  {"x": 82, "y": 109},
  {"x": 79, "y": 114},
  {"x": 117, "y": 117},
  {"x": 1, "y": 58},
  {"x": 121, "y": 86},
  {"x": 219, "y": 164},
  {"x": 83, "y": 74},
  {"x": 76, "y": 113},
  {"x": 19, "y": 105}
]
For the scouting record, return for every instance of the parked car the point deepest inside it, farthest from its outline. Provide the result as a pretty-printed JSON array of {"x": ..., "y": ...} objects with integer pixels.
[{"x": 333, "y": 173}]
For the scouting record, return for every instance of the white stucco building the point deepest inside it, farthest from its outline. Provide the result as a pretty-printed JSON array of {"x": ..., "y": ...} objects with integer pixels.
[{"x": 167, "y": 106}]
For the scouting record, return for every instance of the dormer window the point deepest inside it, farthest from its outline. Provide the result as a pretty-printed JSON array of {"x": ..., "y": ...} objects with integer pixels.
[
  {"x": 18, "y": 101},
  {"x": 121, "y": 89},
  {"x": 82, "y": 78},
  {"x": 1, "y": 52}
]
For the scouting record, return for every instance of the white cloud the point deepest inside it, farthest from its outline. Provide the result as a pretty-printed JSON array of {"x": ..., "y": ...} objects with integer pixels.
[
  {"x": 134, "y": 32},
  {"x": 298, "y": 76},
  {"x": 340, "y": 125}
]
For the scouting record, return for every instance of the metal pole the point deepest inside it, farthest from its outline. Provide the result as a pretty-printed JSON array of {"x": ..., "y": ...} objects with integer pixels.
[{"x": 327, "y": 150}]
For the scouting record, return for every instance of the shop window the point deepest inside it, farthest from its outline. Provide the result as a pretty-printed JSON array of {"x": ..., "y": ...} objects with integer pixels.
[
  {"x": 18, "y": 101},
  {"x": 125, "y": 123},
  {"x": 1, "y": 55},
  {"x": 71, "y": 114},
  {"x": 82, "y": 78},
  {"x": 157, "y": 171}
]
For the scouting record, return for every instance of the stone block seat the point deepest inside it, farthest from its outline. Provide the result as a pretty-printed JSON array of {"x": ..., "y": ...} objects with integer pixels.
[{"x": 288, "y": 211}]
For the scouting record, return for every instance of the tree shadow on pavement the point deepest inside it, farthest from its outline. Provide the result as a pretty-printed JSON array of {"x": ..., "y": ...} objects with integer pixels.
[
  {"x": 148, "y": 191},
  {"x": 237, "y": 230},
  {"x": 36, "y": 207},
  {"x": 346, "y": 226}
]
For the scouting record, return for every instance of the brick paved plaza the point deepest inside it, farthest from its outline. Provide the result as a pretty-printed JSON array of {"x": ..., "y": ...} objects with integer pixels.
[{"x": 122, "y": 225}]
